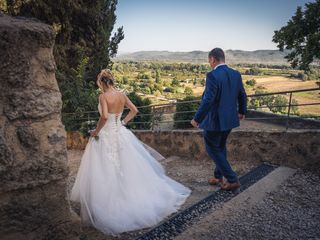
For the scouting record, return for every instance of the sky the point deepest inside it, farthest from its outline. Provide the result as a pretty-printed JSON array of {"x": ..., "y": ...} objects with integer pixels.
[{"x": 189, "y": 25}]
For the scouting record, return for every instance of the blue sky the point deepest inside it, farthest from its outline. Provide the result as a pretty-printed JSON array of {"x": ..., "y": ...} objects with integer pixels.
[{"x": 185, "y": 25}]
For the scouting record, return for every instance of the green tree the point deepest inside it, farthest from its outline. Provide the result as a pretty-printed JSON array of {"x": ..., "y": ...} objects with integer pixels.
[
  {"x": 157, "y": 93},
  {"x": 144, "y": 114},
  {"x": 194, "y": 82},
  {"x": 158, "y": 79},
  {"x": 188, "y": 91},
  {"x": 251, "y": 82},
  {"x": 83, "y": 46},
  {"x": 125, "y": 80},
  {"x": 253, "y": 71},
  {"x": 279, "y": 104},
  {"x": 295, "y": 108},
  {"x": 83, "y": 29},
  {"x": 77, "y": 98},
  {"x": 182, "y": 118},
  {"x": 175, "y": 82},
  {"x": 301, "y": 35}
]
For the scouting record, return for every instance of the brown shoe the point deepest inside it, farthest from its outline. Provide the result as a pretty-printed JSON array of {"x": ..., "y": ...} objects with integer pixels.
[
  {"x": 230, "y": 186},
  {"x": 215, "y": 181}
]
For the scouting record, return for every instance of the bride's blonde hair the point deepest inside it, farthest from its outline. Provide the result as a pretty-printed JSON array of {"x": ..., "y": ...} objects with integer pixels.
[{"x": 105, "y": 78}]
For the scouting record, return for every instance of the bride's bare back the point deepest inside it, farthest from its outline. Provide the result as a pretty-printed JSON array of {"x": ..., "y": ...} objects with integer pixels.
[
  {"x": 113, "y": 102},
  {"x": 116, "y": 101}
]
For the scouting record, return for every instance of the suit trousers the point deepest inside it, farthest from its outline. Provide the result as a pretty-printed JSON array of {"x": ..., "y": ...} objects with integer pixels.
[{"x": 215, "y": 142}]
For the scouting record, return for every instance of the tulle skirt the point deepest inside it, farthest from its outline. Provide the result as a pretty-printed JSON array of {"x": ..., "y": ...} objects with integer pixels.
[{"x": 121, "y": 187}]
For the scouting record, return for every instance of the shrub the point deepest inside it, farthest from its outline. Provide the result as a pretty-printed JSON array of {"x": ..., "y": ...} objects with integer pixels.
[
  {"x": 175, "y": 82},
  {"x": 188, "y": 91},
  {"x": 147, "y": 119},
  {"x": 295, "y": 109},
  {"x": 87, "y": 126},
  {"x": 251, "y": 82},
  {"x": 182, "y": 107},
  {"x": 253, "y": 71},
  {"x": 279, "y": 104}
]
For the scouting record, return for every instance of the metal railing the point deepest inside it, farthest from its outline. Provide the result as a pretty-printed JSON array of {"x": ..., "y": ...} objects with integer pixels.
[{"x": 153, "y": 116}]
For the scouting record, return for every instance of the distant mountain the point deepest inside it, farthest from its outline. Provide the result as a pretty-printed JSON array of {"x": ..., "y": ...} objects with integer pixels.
[{"x": 232, "y": 56}]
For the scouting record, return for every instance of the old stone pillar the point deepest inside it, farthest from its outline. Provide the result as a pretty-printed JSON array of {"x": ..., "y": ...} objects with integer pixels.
[{"x": 33, "y": 156}]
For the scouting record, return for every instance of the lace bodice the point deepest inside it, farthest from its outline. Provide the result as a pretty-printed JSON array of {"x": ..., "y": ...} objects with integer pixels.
[
  {"x": 110, "y": 134},
  {"x": 113, "y": 122}
]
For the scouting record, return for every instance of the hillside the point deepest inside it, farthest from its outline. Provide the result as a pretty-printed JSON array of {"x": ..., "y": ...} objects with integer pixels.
[{"x": 232, "y": 56}]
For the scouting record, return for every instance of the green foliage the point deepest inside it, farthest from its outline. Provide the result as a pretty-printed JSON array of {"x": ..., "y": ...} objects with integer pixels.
[
  {"x": 158, "y": 80},
  {"x": 256, "y": 102},
  {"x": 86, "y": 126},
  {"x": 188, "y": 91},
  {"x": 143, "y": 75},
  {"x": 171, "y": 89},
  {"x": 83, "y": 29},
  {"x": 301, "y": 36},
  {"x": 295, "y": 109},
  {"x": 146, "y": 90},
  {"x": 276, "y": 104},
  {"x": 299, "y": 75},
  {"x": 253, "y": 71},
  {"x": 186, "y": 117},
  {"x": 194, "y": 82},
  {"x": 175, "y": 82},
  {"x": 78, "y": 96},
  {"x": 125, "y": 80},
  {"x": 83, "y": 46},
  {"x": 147, "y": 119},
  {"x": 313, "y": 74},
  {"x": 279, "y": 104},
  {"x": 251, "y": 82}
]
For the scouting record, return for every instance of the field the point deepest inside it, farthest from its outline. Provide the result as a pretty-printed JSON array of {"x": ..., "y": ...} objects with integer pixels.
[
  {"x": 280, "y": 84},
  {"x": 276, "y": 84},
  {"x": 165, "y": 82}
]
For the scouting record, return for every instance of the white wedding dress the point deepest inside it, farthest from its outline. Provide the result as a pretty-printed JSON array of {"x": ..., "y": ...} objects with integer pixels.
[{"x": 120, "y": 185}]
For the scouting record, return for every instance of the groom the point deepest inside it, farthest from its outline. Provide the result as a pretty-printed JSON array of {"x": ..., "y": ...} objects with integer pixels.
[{"x": 223, "y": 103}]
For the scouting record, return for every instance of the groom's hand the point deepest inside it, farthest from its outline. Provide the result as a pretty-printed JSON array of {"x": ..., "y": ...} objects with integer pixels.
[{"x": 194, "y": 123}]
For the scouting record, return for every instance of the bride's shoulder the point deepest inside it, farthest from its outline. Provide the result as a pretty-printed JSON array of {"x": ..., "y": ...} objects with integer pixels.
[
  {"x": 122, "y": 91},
  {"x": 102, "y": 95}
]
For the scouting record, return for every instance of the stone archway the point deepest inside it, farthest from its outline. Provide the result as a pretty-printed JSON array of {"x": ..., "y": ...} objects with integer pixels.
[{"x": 33, "y": 154}]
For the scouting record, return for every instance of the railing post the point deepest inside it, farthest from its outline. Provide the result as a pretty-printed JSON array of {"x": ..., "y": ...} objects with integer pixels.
[
  {"x": 152, "y": 116},
  {"x": 289, "y": 109}
]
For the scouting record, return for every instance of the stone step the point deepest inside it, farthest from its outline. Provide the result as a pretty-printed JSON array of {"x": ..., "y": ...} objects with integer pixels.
[{"x": 255, "y": 185}]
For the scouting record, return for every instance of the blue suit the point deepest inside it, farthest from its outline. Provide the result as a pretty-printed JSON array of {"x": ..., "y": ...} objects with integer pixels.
[{"x": 224, "y": 97}]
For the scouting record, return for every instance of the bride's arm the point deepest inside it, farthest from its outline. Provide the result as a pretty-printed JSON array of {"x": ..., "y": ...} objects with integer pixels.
[
  {"x": 103, "y": 117},
  {"x": 133, "y": 110}
]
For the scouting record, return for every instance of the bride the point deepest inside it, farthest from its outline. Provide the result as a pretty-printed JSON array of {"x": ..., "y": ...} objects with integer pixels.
[{"x": 120, "y": 185}]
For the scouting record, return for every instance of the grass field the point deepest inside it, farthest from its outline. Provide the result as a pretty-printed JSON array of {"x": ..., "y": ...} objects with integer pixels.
[{"x": 279, "y": 84}]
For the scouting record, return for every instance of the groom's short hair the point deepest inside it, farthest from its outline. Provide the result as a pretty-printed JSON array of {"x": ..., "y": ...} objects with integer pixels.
[{"x": 218, "y": 54}]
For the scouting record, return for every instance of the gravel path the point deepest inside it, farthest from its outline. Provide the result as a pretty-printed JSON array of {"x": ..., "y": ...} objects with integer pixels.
[{"x": 290, "y": 212}]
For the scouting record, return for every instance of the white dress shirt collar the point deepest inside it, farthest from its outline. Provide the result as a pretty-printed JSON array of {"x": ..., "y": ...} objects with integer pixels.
[{"x": 221, "y": 64}]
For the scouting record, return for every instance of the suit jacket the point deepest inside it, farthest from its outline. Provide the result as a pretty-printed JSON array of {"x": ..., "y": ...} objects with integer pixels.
[{"x": 224, "y": 97}]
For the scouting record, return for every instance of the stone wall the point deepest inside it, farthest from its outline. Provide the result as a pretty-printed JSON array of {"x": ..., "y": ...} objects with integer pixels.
[
  {"x": 293, "y": 148},
  {"x": 33, "y": 154}
]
